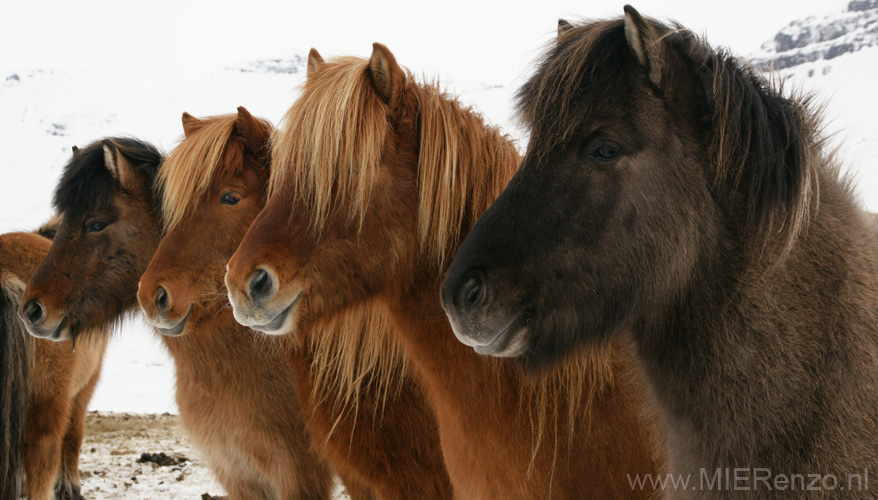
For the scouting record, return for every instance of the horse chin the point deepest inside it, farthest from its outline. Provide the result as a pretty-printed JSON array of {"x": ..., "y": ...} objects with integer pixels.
[
  {"x": 167, "y": 330},
  {"x": 510, "y": 341},
  {"x": 58, "y": 333},
  {"x": 509, "y": 344},
  {"x": 284, "y": 322}
]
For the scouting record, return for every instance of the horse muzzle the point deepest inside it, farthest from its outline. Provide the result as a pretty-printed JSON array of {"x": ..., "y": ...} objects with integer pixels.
[
  {"x": 39, "y": 324},
  {"x": 169, "y": 327},
  {"x": 262, "y": 307},
  {"x": 160, "y": 309},
  {"x": 480, "y": 322}
]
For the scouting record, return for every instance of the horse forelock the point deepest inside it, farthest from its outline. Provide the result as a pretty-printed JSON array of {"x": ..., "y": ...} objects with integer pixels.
[
  {"x": 763, "y": 146},
  {"x": 582, "y": 57},
  {"x": 331, "y": 142},
  {"x": 326, "y": 157},
  {"x": 330, "y": 151},
  {"x": 208, "y": 156},
  {"x": 87, "y": 184}
]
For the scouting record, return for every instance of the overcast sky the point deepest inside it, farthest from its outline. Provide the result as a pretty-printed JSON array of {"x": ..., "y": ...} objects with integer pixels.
[{"x": 483, "y": 40}]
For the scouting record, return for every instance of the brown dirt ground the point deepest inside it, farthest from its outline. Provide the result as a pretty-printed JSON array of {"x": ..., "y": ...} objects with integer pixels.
[{"x": 113, "y": 445}]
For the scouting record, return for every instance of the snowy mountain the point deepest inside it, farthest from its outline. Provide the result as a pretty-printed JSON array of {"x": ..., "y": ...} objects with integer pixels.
[
  {"x": 835, "y": 56},
  {"x": 814, "y": 39},
  {"x": 288, "y": 65}
]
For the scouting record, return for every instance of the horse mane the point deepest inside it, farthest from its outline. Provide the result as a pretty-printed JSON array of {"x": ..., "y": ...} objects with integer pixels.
[
  {"x": 353, "y": 353},
  {"x": 463, "y": 167},
  {"x": 200, "y": 159},
  {"x": 579, "y": 380},
  {"x": 86, "y": 182},
  {"x": 767, "y": 148},
  {"x": 763, "y": 145},
  {"x": 332, "y": 143}
]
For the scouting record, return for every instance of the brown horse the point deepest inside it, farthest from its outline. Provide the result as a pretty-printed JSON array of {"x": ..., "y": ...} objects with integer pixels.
[
  {"x": 251, "y": 384},
  {"x": 672, "y": 193},
  {"x": 109, "y": 230},
  {"x": 14, "y": 376},
  {"x": 54, "y": 395},
  {"x": 375, "y": 181},
  {"x": 378, "y": 438}
]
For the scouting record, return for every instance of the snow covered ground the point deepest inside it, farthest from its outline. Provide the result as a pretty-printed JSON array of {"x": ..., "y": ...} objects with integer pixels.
[{"x": 113, "y": 466}]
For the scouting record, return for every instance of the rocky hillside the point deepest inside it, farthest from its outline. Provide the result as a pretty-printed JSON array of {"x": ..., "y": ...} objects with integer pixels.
[{"x": 822, "y": 38}]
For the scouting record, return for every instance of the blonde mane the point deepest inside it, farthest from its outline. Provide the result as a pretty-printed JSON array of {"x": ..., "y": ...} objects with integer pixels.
[
  {"x": 330, "y": 151},
  {"x": 331, "y": 139},
  {"x": 353, "y": 353},
  {"x": 463, "y": 167},
  {"x": 200, "y": 159}
]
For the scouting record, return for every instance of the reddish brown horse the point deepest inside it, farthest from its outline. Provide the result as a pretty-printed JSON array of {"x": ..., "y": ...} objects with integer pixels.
[
  {"x": 375, "y": 181},
  {"x": 252, "y": 383},
  {"x": 378, "y": 438},
  {"x": 109, "y": 230},
  {"x": 47, "y": 427},
  {"x": 14, "y": 375}
]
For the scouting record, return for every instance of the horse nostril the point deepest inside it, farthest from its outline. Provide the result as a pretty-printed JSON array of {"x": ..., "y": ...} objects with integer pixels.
[
  {"x": 471, "y": 294},
  {"x": 260, "y": 285},
  {"x": 34, "y": 312},
  {"x": 161, "y": 299}
]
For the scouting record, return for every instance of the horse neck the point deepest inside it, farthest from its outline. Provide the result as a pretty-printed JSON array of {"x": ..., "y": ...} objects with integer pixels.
[
  {"x": 444, "y": 365},
  {"x": 839, "y": 245},
  {"x": 775, "y": 333},
  {"x": 535, "y": 426},
  {"x": 214, "y": 344}
]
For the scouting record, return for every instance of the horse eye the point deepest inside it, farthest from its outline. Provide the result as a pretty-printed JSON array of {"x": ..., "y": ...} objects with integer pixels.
[
  {"x": 229, "y": 199},
  {"x": 605, "y": 152},
  {"x": 95, "y": 226}
]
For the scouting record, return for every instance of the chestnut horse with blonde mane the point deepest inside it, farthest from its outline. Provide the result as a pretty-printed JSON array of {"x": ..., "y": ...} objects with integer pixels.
[
  {"x": 109, "y": 229},
  {"x": 379, "y": 438},
  {"x": 375, "y": 180},
  {"x": 50, "y": 390},
  {"x": 252, "y": 386}
]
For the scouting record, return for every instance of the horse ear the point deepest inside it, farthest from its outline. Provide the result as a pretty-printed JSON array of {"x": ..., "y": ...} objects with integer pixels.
[
  {"x": 386, "y": 75},
  {"x": 75, "y": 151},
  {"x": 314, "y": 62},
  {"x": 564, "y": 26},
  {"x": 645, "y": 43},
  {"x": 118, "y": 165},
  {"x": 250, "y": 130},
  {"x": 191, "y": 124}
]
